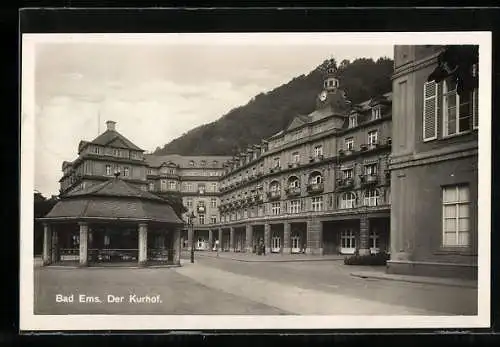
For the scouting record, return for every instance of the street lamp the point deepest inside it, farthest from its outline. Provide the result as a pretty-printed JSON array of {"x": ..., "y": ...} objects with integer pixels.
[{"x": 191, "y": 218}]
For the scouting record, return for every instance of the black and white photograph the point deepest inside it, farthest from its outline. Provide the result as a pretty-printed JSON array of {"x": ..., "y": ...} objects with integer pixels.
[{"x": 255, "y": 181}]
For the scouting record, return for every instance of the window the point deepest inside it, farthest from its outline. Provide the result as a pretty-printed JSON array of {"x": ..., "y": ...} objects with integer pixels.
[
  {"x": 108, "y": 170},
  {"x": 376, "y": 113},
  {"x": 317, "y": 203},
  {"x": 189, "y": 202},
  {"x": 295, "y": 157},
  {"x": 213, "y": 219},
  {"x": 371, "y": 197},
  {"x": 430, "y": 111},
  {"x": 151, "y": 186},
  {"x": 456, "y": 216},
  {"x": 371, "y": 169},
  {"x": 201, "y": 219},
  {"x": 214, "y": 187},
  {"x": 191, "y": 163},
  {"x": 163, "y": 185},
  {"x": 213, "y": 203},
  {"x": 318, "y": 150},
  {"x": 171, "y": 185},
  {"x": 203, "y": 163},
  {"x": 348, "y": 173},
  {"x": 150, "y": 172},
  {"x": 294, "y": 206},
  {"x": 125, "y": 171},
  {"x": 277, "y": 162},
  {"x": 275, "y": 186},
  {"x": 294, "y": 183},
  {"x": 96, "y": 150},
  {"x": 374, "y": 241},
  {"x": 347, "y": 239},
  {"x": 458, "y": 110},
  {"x": 189, "y": 187},
  {"x": 201, "y": 188},
  {"x": 349, "y": 143},
  {"x": 316, "y": 178},
  {"x": 348, "y": 200},
  {"x": 171, "y": 171},
  {"x": 353, "y": 121},
  {"x": 373, "y": 137},
  {"x": 275, "y": 208}
]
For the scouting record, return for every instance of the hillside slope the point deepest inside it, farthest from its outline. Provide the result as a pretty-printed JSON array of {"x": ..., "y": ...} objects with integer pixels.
[{"x": 268, "y": 113}]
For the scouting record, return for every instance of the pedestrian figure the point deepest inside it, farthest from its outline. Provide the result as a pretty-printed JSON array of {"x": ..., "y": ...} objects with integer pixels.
[{"x": 217, "y": 246}]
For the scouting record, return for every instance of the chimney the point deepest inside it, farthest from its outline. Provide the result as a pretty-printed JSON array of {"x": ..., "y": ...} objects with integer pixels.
[{"x": 110, "y": 125}]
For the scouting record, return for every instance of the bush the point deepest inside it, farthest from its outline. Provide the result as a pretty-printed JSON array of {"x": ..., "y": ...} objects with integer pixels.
[{"x": 369, "y": 259}]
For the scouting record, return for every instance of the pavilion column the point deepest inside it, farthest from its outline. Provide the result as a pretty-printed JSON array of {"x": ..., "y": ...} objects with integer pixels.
[
  {"x": 210, "y": 239},
  {"x": 177, "y": 246},
  {"x": 220, "y": 240},
  {"x": 54, "y": 257},
  {"x": 84, "y": 231},
  {"x": 143, "y": 243},
  {"x": 46, "y": 255}
]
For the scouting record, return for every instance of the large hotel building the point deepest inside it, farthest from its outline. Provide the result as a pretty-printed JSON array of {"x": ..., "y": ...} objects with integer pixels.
[{"x": 396, "y": 173}]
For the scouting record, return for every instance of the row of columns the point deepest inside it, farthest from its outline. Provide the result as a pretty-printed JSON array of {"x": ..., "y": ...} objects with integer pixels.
[
  {"x": 314, "y": 237},
  {"x": 50, "y": 245}
]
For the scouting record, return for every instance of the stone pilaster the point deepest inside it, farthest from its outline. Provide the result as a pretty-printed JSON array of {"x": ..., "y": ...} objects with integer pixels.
[
  {"x": 84, "y": 231},
  {"x": 314, "y": 237},
  {"x": 286, "y": 238},
  {"x": 220, "y": 240},
  {"x": 177, "y": 246},
  {"x": 248, "y": 238},
  {"x": 143, "y": 244},
  {"x": 46, "y": 244},
  {"x": 267, "y": 238},
  {"x": 210, "y": 240},
  {"x": 364, "y": 236},
  {"x": 231, "y": 239}
]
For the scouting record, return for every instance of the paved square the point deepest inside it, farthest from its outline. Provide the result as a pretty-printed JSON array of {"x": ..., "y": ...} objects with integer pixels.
[{"x": 214, "y": 286}]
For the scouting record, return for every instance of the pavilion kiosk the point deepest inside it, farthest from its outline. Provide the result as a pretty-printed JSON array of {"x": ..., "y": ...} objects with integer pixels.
[{"x": 112, "y": 222}]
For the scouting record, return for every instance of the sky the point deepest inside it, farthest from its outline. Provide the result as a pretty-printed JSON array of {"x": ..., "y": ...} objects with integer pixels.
[{"x": 155, "y": 92}]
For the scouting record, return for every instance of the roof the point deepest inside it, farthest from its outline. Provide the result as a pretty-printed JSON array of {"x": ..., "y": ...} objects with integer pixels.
[
  {"x": 111, "y": 200},
  {"x": 113, "y": 138},
  {"x": 184, "y": 161}
]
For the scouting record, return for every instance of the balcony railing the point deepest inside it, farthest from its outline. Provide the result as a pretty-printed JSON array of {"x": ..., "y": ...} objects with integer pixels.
[
  {"x": 369, "y": 179},
  {"x": 274, "y": 195},
  {"x": 345, "y": 183},
  {"x": 314, "y": 188},
  {"x": 293, "y": 191}
]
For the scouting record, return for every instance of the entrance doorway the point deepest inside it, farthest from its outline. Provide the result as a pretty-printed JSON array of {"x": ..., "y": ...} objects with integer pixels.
[{"x": 296, "y": 244}]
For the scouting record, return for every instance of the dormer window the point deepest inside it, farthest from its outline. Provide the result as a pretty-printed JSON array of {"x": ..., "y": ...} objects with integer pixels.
[
  {"x": 116, "y": 152},
  {"x": 353, "y": 121},
  {"x": 203, "y": 163},
  {"x": 191, "y": 163},
  {"x": 376, "y": 112},
  {"x": 97, "y": 150}
]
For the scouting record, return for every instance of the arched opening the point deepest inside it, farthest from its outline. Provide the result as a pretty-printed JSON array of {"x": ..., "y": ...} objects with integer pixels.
[{"x": 348, "y": 200}]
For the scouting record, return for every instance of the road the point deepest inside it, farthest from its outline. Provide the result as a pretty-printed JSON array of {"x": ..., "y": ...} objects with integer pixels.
[{"x": 222, "y": 286}]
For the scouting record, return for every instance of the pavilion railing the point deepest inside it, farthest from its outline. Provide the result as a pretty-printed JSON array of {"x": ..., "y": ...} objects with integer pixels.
[
  {"x": 69, "y": 254},
  {"x": 161, "y": 255},
  {"x": 113, "y": 255}
]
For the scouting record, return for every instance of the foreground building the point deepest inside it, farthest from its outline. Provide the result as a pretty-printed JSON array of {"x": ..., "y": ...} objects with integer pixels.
[{"x": 434, "y": 170}]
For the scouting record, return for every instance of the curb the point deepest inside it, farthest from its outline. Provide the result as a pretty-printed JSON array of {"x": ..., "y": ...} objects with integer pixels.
[
  {"x": 270, "y": 261},
  {"x": 414, "y": 280},
  {"x": 62, "y": 267}
]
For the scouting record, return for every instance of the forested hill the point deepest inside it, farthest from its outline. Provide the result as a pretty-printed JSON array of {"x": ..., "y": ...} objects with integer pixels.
[{"x": 268, "y": 113}]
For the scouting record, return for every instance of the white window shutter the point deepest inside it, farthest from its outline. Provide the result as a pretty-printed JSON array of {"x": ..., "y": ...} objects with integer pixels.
[
  {"x": 475, "y": 108},
  {"x": 430, "y": 111}
]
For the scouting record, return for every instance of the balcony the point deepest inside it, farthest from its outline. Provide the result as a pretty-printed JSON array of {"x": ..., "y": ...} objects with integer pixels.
[
  {"x": 293, "y": 191},
  {"x": 273, "y": 195},
  {"x": 345, "y": 183},
  {"x": 369, "y": 179},
  {"x": 315, "y": 188}
]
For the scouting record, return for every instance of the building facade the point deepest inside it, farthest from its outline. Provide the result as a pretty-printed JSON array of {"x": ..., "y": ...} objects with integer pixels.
[{"x": 434, "y": 170}]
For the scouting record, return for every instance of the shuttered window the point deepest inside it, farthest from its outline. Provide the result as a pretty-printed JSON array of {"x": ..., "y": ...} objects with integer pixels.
[{"x": 430, "y": 111}]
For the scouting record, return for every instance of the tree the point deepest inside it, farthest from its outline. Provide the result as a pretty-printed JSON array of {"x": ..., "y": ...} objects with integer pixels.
[
  {"x": 41, "y": 206},
  {"x": 175, "y": 200},
  {"x": 458, "y": 62}
]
